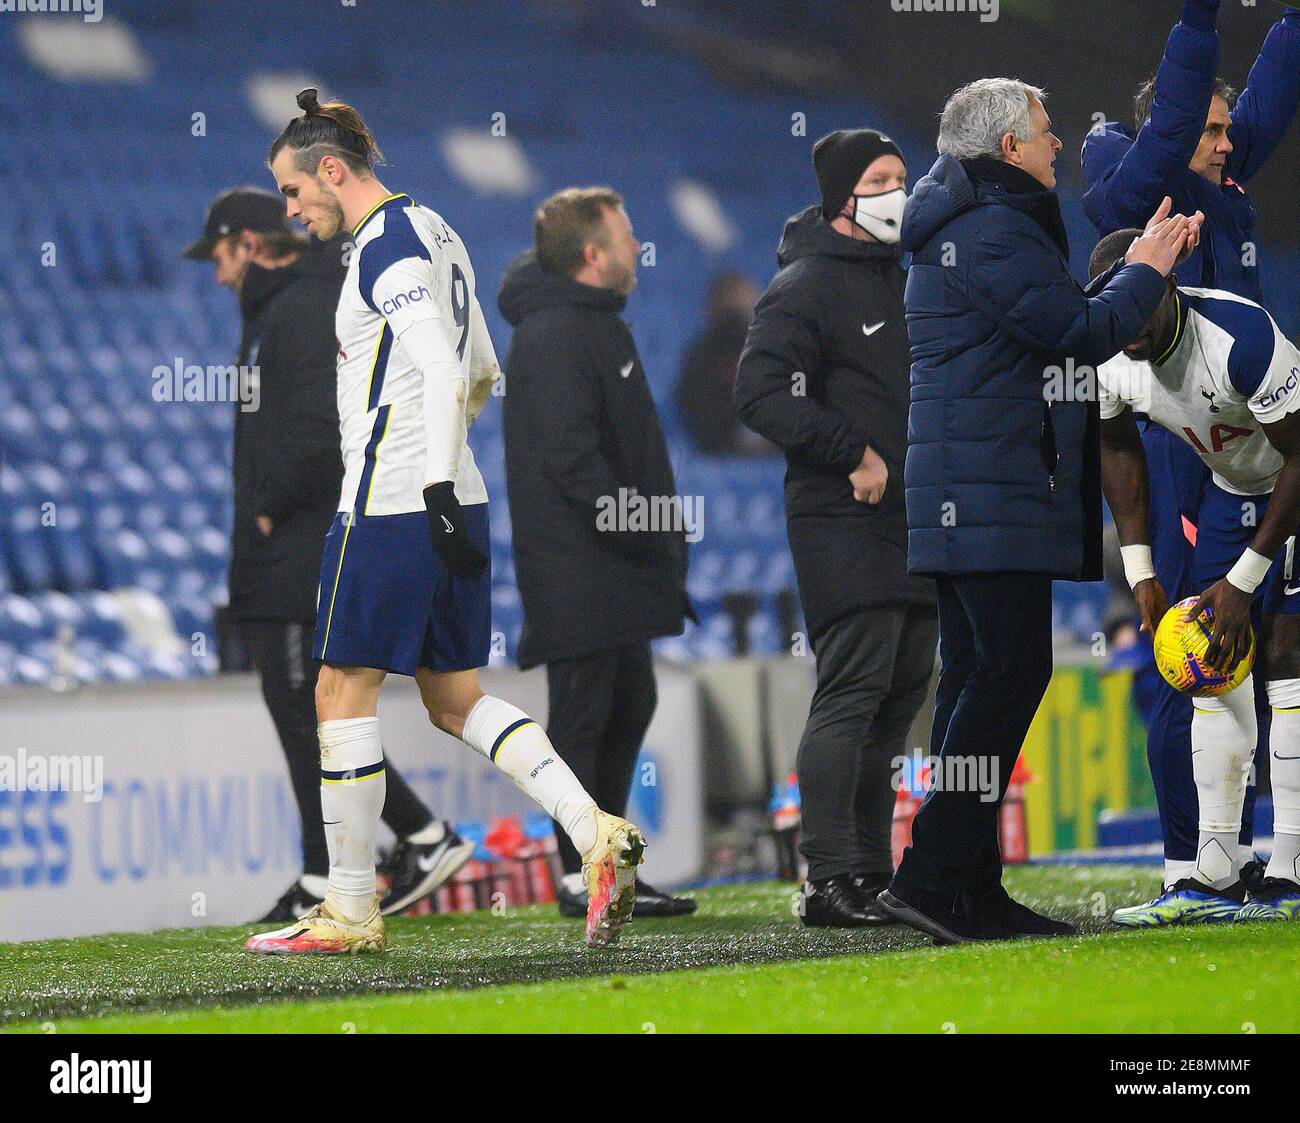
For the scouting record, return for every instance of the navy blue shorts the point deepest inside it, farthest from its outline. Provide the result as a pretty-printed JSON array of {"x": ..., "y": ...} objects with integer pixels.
[
  {"x": 1226, "y": 526},
  {"x": 387, "y": 601}
]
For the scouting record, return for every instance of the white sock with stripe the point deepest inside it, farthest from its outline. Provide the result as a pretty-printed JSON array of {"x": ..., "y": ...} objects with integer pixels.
[
  {"x": 352, "y": 793},
  {"x": 1223, "y": 747},
  {"x": 1284, "y": 761},
  {"x": 516, "y": 744}
]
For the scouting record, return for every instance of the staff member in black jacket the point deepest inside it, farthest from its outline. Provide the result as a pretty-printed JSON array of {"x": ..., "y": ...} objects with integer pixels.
[
  {"x": 824, "y": 376},
  {"x": 583, "y": 447},
  {"x": 288, "y": 473}
]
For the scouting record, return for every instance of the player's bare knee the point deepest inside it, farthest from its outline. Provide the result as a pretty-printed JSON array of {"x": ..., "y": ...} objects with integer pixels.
[{"x": 328, "y": 686}]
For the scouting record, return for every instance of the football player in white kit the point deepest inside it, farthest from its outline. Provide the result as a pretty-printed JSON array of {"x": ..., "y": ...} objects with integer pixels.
[
  {"x": 1214, "y": 369},
  {"x": 405, "y": 582}
]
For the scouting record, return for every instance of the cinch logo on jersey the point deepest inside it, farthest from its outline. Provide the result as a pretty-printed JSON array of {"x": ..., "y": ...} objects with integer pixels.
[
  {"x": 402, "y": 299},
  {"x": 1273, "y": 397},
  {"x": 409, "y": 285},
  {"x": 1228, "y": 374}
]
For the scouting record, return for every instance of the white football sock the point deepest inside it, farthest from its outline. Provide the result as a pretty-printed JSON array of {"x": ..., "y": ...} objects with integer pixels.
[
  {"x": 516, "y": 744},
  {"x": 314, "y": 884},
  {"x": 436, "y": 831},
  {"x": 1223, "y": 747},
  {"x": 352, "y": 790},
  {"x": 1284, "y": 759},
  {"x": 1176, "y": 871}
]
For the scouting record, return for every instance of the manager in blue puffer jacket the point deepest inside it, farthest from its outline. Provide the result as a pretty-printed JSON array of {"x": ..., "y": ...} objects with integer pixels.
[{"x": 1002, "y": 471}]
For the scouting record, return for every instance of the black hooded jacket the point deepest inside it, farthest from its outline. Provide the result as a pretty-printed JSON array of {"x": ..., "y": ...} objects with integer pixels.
[
  {"x": 824, "y": 373},
  {"x": 581, "y": 427},
  {"x": 287, "y": 460}
]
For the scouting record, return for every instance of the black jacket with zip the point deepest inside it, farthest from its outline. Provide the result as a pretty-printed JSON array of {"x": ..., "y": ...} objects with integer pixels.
[
  {"x": 580, "y": 428},
  {"x": 287, "y": 460},
  {"x": 824, "y": 374}
]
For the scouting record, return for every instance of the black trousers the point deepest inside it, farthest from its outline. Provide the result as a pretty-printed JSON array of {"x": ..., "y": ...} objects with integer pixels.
[
  {"x": 995, "y": 648},
  {"x": 281, "y": 653},
  {"x": 873, "y": 670},
  {"x": 599, "y": 709}
]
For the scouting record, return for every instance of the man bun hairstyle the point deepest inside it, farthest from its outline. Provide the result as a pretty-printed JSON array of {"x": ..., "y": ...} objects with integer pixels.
[
  {"x": 333, "y": 129},
  {"x": 567, "y": 222}
]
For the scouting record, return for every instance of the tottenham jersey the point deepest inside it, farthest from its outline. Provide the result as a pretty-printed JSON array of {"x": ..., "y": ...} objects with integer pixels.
[
  {"x": 408, "y": 268},
  {"x": 1228, "y": 369}
]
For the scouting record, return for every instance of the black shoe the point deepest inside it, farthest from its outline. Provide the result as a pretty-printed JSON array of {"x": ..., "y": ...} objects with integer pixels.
[
  {"x": 1252, "y": 875},
  {"x": 871, "y": 886},
  {"x": 838, "y": 902},
  {"x": 572, "y": 904},
  {"x": 1004, "y": 918},
  {"x": 417, "y": 869},
  {"x": 929, "y": 914},
  {"x": 1234, "y": 892},
  {"x": 295, "y": 902},
  {"x": 651, "y": 902}
]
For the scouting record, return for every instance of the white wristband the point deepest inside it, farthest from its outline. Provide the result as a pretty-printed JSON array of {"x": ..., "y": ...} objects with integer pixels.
[
  {"x": 1250, "y": 570},
  {"x": 1137, "y": 564}
]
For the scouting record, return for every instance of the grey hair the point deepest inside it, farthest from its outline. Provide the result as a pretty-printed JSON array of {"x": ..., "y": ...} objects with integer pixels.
[{"x": 979, "y": 115}]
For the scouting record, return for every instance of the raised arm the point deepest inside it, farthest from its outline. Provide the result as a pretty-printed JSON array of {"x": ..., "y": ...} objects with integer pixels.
[
  {"x": 1167, "y": 141},
  {"x": 1264, "y": 111}
]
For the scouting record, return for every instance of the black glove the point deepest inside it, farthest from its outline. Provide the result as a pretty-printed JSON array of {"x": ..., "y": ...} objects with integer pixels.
[{"x": 448, "y": 532}]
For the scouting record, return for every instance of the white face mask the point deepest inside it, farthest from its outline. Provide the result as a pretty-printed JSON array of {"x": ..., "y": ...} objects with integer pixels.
[{"x": 881, "y": 215}]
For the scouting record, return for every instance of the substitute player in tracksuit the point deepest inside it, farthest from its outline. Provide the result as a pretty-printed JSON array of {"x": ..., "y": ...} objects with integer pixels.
[
  {"x": 405, "y": 582},
  {"x": 1192, "y": 144},
  {"x": 1214, "y": 370}
]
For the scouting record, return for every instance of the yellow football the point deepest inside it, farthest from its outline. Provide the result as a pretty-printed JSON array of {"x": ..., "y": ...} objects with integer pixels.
[{"x": 1180, "y": 653}]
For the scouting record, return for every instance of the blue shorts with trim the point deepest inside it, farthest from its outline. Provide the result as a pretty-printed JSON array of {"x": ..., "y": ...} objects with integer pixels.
[
  {"x": 1227, "y": 525},
  {"x": 387, "y": 601}
]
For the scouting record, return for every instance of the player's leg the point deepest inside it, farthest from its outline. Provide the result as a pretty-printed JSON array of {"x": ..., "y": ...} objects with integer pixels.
[
  {"x": 1278, "y": 896},
  {"x": 370, "y": 573},
  {"x": 352, "y": 801},
  {"x": 1178, "y": 480},
  {"x": 353, "y": 783},
  {"x": 515, "y": 743},
  {"x": 1223, "y": 733},
  {"x": 1223, "y": 748},
  {"x": 610, "y": 846}
]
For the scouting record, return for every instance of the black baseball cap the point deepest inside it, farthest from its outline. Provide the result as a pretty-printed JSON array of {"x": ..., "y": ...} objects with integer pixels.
[{"x": 236, "y": 210}]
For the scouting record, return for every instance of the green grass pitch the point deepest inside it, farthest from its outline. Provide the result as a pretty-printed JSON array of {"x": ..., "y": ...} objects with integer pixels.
[{"x": 743, "y": 963}]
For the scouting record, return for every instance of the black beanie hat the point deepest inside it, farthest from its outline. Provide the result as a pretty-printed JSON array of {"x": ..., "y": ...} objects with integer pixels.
[{"x": 840, "y": 158}]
